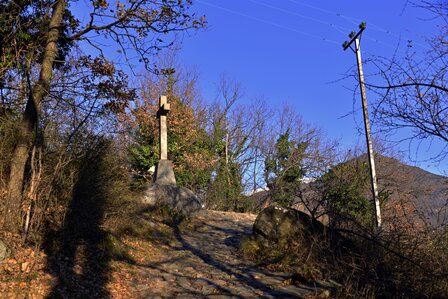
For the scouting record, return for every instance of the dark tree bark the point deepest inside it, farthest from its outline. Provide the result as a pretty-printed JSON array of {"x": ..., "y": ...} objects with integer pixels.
[{"x": 30, "y": 118}]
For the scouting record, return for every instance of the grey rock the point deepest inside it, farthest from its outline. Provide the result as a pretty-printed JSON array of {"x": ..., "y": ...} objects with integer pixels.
[
  {"x": 5, "y": 252},
  {"x": 209, "y": 289},
  {"x": 199, "y": 283},
  {"x": 181, "y": 199},
  {"x": 276, "y": 224}
]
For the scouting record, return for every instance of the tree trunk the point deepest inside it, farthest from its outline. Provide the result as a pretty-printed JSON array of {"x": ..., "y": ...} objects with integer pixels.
[{"x": 30, "y": 120}]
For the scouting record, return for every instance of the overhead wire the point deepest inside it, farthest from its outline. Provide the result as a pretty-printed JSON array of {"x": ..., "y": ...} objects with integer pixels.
[
  {"x": 352, "y": 20},
  {"x": 341, "y": 29},
  {"x": 356, "y": 21},
  {"x": 269, "y": 22}
]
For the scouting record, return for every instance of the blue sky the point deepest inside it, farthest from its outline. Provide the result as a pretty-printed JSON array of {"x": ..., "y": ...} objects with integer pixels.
[{"x": 290, "y": 51}]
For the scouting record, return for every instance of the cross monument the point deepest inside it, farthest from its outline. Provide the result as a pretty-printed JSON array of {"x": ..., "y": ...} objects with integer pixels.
[
  {"x": 164, "y": 173},
  {"x": 164, "y": 108}
]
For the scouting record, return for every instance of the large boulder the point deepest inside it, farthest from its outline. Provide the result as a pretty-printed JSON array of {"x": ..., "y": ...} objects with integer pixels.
[
  {"x": 181, "y": 199},
  {"x": 276, "y": 224},
  {"x": 4, "y": 251}
]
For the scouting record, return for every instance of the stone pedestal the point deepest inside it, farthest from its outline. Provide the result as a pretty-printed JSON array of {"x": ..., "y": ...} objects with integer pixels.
[
  {"x": 181, "y": 199},
  {"x": 164, "y": 174}
]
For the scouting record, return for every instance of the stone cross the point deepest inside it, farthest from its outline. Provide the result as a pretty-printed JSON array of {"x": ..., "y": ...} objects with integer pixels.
[{"x": 164, "y": 108}]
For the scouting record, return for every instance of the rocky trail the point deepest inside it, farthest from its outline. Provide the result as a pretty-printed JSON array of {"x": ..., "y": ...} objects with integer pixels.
[
  {"x": 203, "y": 262},
  {"x": 198, "y": 259}
]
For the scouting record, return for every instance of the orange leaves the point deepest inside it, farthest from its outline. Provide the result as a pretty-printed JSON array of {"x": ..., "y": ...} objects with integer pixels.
[
  {"x": 98, "y": 65},
  {"x": 199, "y": 160},
  {"x": 23, "y": 275}
]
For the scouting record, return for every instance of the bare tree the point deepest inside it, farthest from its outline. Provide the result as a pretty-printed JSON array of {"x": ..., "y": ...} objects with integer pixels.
[
  {"x": 298, "y": 153},
  {"x": 413, "y": 95},
  {"x": 238, "y": 131}
]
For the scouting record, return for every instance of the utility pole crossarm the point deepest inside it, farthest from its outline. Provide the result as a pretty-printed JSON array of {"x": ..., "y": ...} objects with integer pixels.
[{"x": 353, "y": 35}]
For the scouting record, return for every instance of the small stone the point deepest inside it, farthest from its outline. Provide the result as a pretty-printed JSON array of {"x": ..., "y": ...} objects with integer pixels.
[
  {"x": 160, "y": 284},
  {"x": 168, "y": 277},
  {"x": 216, "y": 273},
  {"x": 199, "y": 283},
  {"x": 220, "y": 282},
  {"x": 209, "y": 289},
  {"x": 166, "y": 294},
  {"x": 4, "y": 251},
  {"x": 142, "y": 287},
  {"x": 25, "y": 267},
  {"x": 243, "y": 292},
  {"x": 325, "y": 294},
  {"x": 183, "y": 282}
]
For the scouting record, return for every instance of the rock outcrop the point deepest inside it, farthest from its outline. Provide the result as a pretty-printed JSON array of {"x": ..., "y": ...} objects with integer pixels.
[
  {"x": 181, "y": 199},
  {"x": 276, "y": 224}
]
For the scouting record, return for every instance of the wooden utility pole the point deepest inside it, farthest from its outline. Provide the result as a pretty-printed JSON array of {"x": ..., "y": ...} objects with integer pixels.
[{"x": 354, "y": 38}]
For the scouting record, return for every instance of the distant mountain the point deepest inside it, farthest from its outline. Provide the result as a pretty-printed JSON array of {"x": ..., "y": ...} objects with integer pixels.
[
  {"x": 417, "y": 197},
  {"x": 423, "y": 196}
]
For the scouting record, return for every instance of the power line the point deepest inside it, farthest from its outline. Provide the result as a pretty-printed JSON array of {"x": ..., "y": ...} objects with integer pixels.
[
  {"x": 341, "y": 29},
  {"x": 356, "y": 21},
  {"x": 334, "y": 26},
  {"x": 269, "y": 22},
  {"x": 352, "y": 20}
]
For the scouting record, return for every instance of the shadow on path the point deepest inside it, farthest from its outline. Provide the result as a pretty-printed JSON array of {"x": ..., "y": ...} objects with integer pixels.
[
  {"x": 247, "y": 280},
  {"x": 76, "y": 253}
]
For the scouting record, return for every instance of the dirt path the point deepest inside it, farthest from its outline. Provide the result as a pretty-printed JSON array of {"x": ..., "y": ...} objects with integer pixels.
[{"x": 203, "y": 262}]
